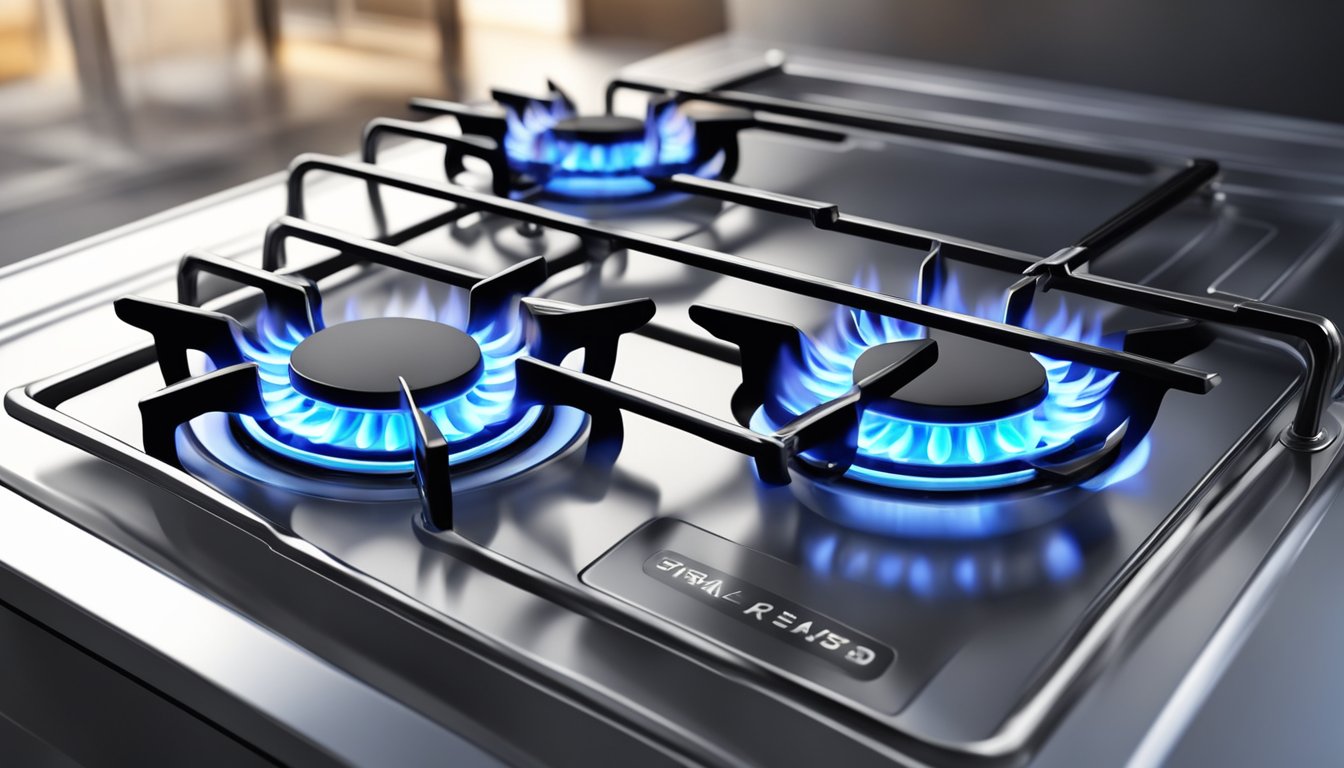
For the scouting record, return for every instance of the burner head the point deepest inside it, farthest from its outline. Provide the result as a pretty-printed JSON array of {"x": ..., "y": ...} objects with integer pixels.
[
  {"x": 357, "y": 364},
  {"x": 973, "y": 381},
  {"x": 599, "y": 129}
]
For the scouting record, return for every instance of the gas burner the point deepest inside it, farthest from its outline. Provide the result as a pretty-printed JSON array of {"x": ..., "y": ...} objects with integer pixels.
[
  {"x": 545, "y": 144},
  {"x": 982, "y": 417},
  {"x": 406, "y": 390},
  {"x": 334, "y": 396},
  {"x": 603, "y": 156}
]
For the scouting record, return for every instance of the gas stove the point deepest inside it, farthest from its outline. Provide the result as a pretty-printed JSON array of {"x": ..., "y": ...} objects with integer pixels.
[{"x": 785, "y": 408}]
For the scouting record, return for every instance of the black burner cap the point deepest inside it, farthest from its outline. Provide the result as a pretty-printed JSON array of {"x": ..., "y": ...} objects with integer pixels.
[
  {"x": 972, "y": 381},
  {"x": 356, "y": 364},
  {"x": 599, "y": 129}
]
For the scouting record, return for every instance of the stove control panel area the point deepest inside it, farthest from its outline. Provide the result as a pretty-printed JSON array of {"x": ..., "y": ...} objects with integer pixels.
[{"x": 727, "y": 596}]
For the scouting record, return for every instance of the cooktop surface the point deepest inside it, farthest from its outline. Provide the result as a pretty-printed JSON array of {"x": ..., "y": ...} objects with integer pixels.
[{"x": 786, "y": 406}]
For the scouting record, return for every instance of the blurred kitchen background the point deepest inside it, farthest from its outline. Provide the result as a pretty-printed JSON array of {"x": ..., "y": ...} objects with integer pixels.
[{"x": 111, "y": 110}]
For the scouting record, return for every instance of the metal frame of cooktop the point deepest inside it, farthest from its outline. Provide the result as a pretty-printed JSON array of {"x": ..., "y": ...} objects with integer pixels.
[{"x": 38, "y": 403}]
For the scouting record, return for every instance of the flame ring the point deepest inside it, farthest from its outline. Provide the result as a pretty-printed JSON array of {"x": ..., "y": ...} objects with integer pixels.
[
  {"x": 917, "y": 455},
  {"x": 581, "y": 169},
  {"x": 476, "y": 423}
]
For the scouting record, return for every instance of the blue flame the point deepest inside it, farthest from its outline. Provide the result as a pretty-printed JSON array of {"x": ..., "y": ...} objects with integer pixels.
[
  {"x": 912, "y": 454},
  {"x": 576, "y": 168},
  {"x": 475, "y": 423}
]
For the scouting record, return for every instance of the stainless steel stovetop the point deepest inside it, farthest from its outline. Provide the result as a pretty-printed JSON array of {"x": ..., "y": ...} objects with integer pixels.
[{"x": 653, "y": 571}]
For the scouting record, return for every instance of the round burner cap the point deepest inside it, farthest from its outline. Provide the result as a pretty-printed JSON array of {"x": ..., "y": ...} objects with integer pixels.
[
  {"x": 357, "y": 364},
  {"x": 972, "y": 381},
  {"x": 599, "y": 129}
]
